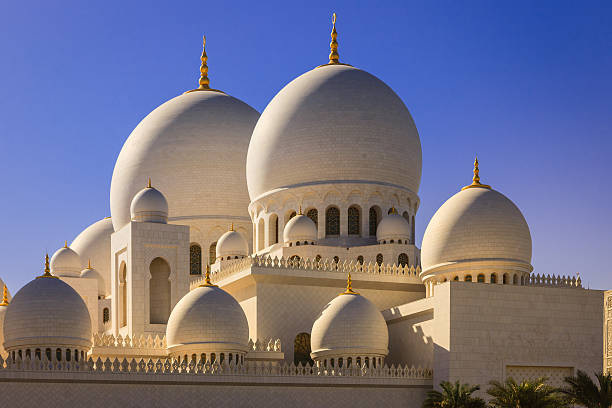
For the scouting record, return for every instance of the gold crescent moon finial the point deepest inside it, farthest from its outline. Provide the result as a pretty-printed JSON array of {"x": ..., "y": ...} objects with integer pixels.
[
  {"x": 5, "y": 301},
  {"x": 47, "y": 273},
  {"x": 334, "y": 57},
  {"x": 476, "y": 178},
  {"x": 207, "y": 282},
  {"x": 349, "y": 286}
]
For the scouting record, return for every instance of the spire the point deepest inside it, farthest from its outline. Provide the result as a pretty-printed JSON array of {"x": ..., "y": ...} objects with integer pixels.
[
  {"x": 47, "y": 273},
  {"x": 231, "y": 226},
  {"x": 204, "y": 81},
  {"x": 5, "y": 301},
  {"x": 207, "y": 282},
  {"x": 66, "y": 244},
  {"x": 334, "y": 57},
  {"x": 149, "y": 183},
  {"x": 476, "y": 178},
  {"x": 89, "y": 264},
  {"x": 300, "y": 211},
  {"x": 349, "y": 287}
]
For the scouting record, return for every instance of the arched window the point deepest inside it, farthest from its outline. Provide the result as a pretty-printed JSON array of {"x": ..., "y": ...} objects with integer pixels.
[
  {"x": 195, "y": 259},
  {"x": 493, "y": 278},
  {"x": 105, "y": 315},
  {"x": 515, "y": 280},
  {"x": 379, "y": 259},
  {"x": 159, "y": 292},
  {"x": 313, "y": 214},
  {"x": 406, "y": 216},
  {"x": 37, "y": 354},
  {"x": 212, "y": 253},
  {"x": 332, "y": 221},
  {"x": 354, "y": 221},
  {"x": 480, "y": 278},
  {"x": 373, "y": 221},
  {"x": 505, "y": 279},
  {"x": 360, "y": 260},
  {"x": 301, "y": 349},
  {"x": 402, "y": 259},
  {"x": 58, "y": 354},
  {"x": 468, "y": 278},
  {"x": 456, "y": 278},
  {"x": 123, "y": 292},
  {"x": 68, "y": 355},
  {"x": 273, "y": 229}
]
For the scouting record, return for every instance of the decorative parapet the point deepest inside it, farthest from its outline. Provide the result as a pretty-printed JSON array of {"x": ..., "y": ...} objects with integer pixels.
[
  {"x": 556, "y": 281},
  {"x": 228, "y": 268},
  {"x": 167, "y": 366},
  {"x": 107, "y": 345}
]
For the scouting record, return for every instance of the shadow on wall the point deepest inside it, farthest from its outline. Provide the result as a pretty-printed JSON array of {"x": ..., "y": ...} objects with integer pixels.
[{"x": 411, "y": 341}]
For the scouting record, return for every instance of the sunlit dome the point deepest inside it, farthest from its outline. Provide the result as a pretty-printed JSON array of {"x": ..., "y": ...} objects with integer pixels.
[
  {"x": 91, "y": 273},
  {"x": 334, "y": 124},
  {"x": 393, "y": 227},
  {"x": 193, "y": 145},
  {"x": 476, "y": 226},
  {"x": 300, "y": 229},
  {"x": 231, "y": 245},
  {"x": 207, "y": 320},
  {"x": 47, "y": 312},
  {"x": 149, "y": 205},
  {"x": 94, "y": 244},
  {"x": 349, "y": 325},
  {"x": 66, "y": 262}
]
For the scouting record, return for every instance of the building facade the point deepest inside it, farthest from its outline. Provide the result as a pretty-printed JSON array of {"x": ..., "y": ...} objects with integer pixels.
[{"x": 260, "y": 260}]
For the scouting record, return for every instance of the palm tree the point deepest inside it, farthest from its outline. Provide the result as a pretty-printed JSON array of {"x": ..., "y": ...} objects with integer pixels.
[
  {"x": 583, "y": 391},
  {"x": 454, "y": 396},
  {"x": 526, "y": 394}
]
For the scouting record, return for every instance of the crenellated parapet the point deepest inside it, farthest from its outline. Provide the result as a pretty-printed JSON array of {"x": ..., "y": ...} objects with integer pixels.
[
  {"x": 203, "y": 369},
  {"x": 230, "y": 268},
  {"x": 554, "y": 280}
]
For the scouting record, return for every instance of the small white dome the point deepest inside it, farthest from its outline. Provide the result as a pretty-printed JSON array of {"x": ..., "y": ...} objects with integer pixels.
[
  {"x": 300, "y": 228},
  {"x": 47, "y": 312},
  {"x": 94, "y": 243},
  {"x": 207, "y": 320},
  {"x": 335, "y": 123},
  {"x": 393, "y": 227},
  {"x": 350, "y": 325},
  {"x": 91, "y": 273},
  {"x": 66, "y": 262},
  {"x": 149, "y": 205},
  {"x": 232, "y": 244},
  {"x": 476, "y": 225}
]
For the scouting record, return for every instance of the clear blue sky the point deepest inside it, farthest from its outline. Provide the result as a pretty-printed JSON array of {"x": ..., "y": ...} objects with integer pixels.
[{"x": 526, "y": 85}]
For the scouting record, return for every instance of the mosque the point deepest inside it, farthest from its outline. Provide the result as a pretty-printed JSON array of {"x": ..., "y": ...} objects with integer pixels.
[{"x": 267, "y": 260}]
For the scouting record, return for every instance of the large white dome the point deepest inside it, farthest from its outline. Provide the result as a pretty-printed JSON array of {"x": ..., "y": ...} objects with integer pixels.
[
  {"x": 476, "y": 225},
  {"x": 47, "y": 312},
  {"x": 94, "y": 244},
  {"x": 349, "y": 325},
  {"x": 207, "y": 319},
  {"x": 192, "y": 145},
  {"x": 334, "y": 123}
]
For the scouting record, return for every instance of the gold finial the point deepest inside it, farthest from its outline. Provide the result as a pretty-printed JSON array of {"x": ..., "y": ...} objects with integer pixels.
[
  {"x": 476, "y": 178},
  {"x": 149, "y": 183},
  {"x": 393, "y": 210},
  {"x": 66, "y": 244},
  {"x": 89, "y": 264},
  {"x": 300, "y": 211},
  {"x": 207, "y": 282},
  {"x": 231, "y": 226},
  {"x": 349, "y": 287},
  {"x": 5, "y": 301},
  {"x": 204, "y": 81},
  {"x": 334, "y": 57},
  {"x": 47, "y": 273}
]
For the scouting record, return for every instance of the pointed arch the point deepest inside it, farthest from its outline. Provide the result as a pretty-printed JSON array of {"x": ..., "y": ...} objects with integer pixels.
[
  {"x": 195, "y": 259},
  {"x": 159, "y": 291},
  {"x": 332, "y": 221}
]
